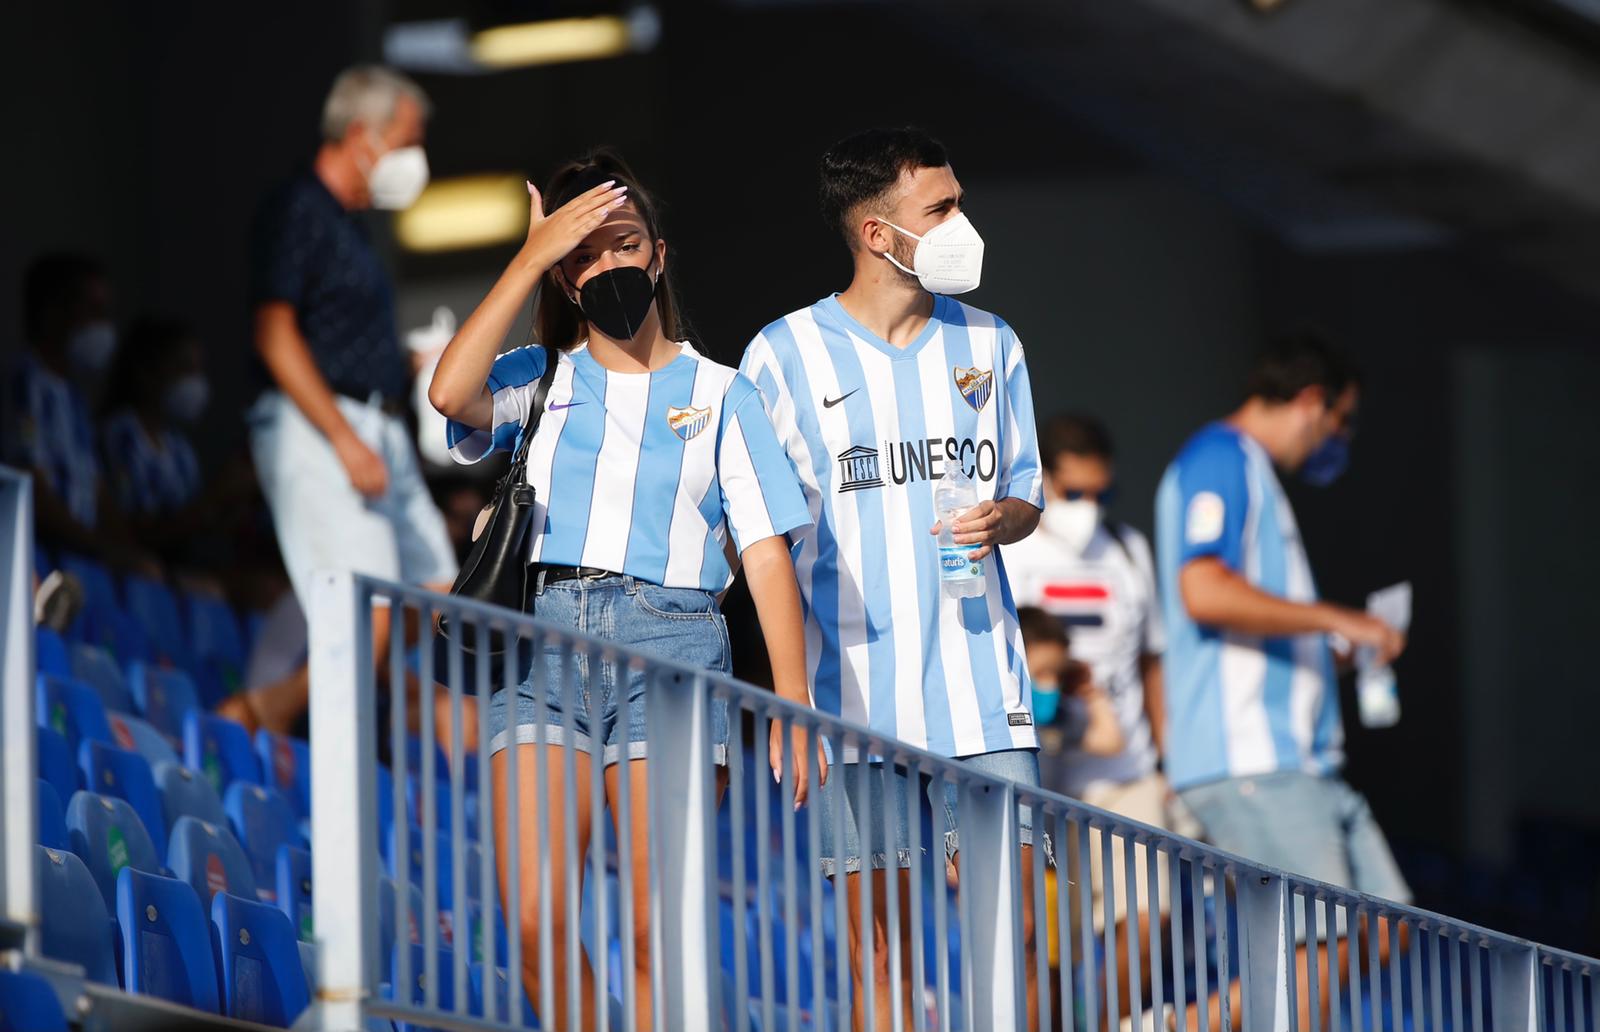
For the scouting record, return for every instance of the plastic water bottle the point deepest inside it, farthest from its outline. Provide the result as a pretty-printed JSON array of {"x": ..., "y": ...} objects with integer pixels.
[
  {"x": 959, "y": 575},
  {"x": 1377, "y": 694}
]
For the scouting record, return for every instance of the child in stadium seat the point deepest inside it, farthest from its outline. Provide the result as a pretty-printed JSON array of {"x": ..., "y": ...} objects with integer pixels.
[{"x": 1080, "y": 716}]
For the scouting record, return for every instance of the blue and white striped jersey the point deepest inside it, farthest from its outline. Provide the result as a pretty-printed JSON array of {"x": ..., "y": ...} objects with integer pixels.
[
  {"x": 149, "y": 476},
  {"x": 45, "y": 424},
  {"x": 1238, "y": 704},
  {"x": 644, "y": 474},
  {"x": 870, "y": 429}
]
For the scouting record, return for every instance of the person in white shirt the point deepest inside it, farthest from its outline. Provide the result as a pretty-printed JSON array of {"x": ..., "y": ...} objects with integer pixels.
[{"x": 1098, "y": 578}]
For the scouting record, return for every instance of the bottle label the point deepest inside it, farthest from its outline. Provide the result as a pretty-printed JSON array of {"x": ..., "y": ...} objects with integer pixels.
[{"x": 955, "y": 563}]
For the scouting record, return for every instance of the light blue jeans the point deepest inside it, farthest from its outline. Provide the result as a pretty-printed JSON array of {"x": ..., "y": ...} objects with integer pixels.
[
  {"x": 1019, "y": 765},
  {"x": 324, "y": 523},
  {"x": 1316, "y": 827}
]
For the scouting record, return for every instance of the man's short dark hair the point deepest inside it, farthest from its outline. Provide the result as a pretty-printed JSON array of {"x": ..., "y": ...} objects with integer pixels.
[
  {"x": 864, "y": 167},
  {"x": 1075, "y": 433},
  {"x": 54, "y": 281},
  {"x": 1040, "y": 628},
  {"x": 1299, "y": 359}
]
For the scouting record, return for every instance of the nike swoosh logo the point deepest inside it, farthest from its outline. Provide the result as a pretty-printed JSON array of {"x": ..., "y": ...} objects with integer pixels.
[
  {"x": 559, "y": 405},
  {"x": 828, "y": 402}
]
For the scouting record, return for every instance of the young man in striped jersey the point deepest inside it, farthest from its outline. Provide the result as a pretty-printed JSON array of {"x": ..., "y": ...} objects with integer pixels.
[
  {"x": 1254, "y": 742},
  {"x": 875, "y": 392}
]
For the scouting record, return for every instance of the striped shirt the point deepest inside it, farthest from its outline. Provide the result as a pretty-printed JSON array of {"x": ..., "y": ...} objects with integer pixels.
[
  {"x": 1237, "y": 704},
  {"x": 870, "y": 429},
  {"x": 1105, "y": 594},
  {"x": 149, "y": 476},
  {"x": 45, "y": 425},
  {"x": 644, "y": 474}
]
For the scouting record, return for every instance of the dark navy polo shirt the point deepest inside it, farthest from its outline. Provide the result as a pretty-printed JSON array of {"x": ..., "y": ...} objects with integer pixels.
[{"x": 307, "y": 250}]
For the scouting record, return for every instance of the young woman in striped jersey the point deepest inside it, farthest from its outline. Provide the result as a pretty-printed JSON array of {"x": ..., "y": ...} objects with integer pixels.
[{"x": 657, "y": 473}]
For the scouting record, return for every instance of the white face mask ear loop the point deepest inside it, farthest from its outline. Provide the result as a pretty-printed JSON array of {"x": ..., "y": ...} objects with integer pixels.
[{"x": 892, "y": 260}]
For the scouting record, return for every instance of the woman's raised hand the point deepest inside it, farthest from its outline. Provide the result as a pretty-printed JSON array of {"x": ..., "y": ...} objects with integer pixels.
[{"x": 552, "y": 237}]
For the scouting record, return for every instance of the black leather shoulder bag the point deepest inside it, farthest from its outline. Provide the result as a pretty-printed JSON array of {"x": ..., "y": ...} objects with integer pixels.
[{"x": 496, "y": 570}]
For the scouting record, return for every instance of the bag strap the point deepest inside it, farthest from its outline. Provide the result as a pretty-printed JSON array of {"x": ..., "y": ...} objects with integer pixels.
[{"x": 519, "y": 460}]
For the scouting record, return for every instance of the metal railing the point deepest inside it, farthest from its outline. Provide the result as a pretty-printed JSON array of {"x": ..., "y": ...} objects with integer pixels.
[
  {"x": 761, "y": 942},
  {"x": 743, "y": 930},
  {"x": 19, "y": 794}
]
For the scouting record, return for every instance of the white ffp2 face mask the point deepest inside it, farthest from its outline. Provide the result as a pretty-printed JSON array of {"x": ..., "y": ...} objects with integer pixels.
[
  {"x": 398, "y": 178},
  {"x": 187, "y": 397},
  {"x": 91, "y": 345},
  {"x": 1071, "y": 523},
  {"x": 949, "y": 257}
]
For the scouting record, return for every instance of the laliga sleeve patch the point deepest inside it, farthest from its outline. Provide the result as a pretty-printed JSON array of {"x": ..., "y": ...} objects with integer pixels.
[{"x": 1203, "y": 524}]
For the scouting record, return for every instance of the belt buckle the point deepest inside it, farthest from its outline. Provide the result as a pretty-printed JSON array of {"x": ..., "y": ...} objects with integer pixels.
[{"x": 590, "y": 573}]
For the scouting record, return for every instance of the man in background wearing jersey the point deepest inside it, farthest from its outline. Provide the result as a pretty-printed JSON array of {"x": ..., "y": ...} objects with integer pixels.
[
  {"x": 874, "y": 392},
  {"x": 1254, "y": 740},
  {"x": 1098, "y": 578}
]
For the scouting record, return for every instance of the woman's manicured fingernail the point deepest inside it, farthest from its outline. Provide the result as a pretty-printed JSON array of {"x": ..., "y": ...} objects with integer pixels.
[{"x": 530, "y": 187}]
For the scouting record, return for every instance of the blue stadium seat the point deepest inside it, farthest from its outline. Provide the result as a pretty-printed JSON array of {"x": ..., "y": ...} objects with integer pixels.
[
  {"x": 220, "y": 749},
  {"x": 72, "y": 710},
  {"x": 385, "y": 801},
  {"x": 262, "y": 821},
  {"x": 96, "y": 667},
  {"x": 473, "y": 932},
  {"x": 52, "y": 818},
  {"x": 294, "y": 889},
  {"x": 218, "y": 647},
  {"x": 98, "y": 585},
  {"x": 478, "y": 974},
  {"x": 416, "y": 991},
  {"x": 386, "y": 916},
  {"x": 441, "y": 763},
  {"x": 108, "y": 835},
  {"x": 50, "y": 653},
  {"x": 210, "y": 859},
  {"x": 308, "y": 964},
  {"x": 445, "y": 873},
  {"x": 135, "y": 735},
  {"x": 155, "y": 609},
  {"x": 163, "y": 696},
  {"x": 76, "y": 925},
  {"x": 286, "y": 766},
  {"x": 441, "y": 805},
  {"x": 111, "y": 771},
  {"x": 186, "y": 794},
  {"x": 166, "y": 940},
  {"x": 259, "y": 962},
  {"x": 29, "y": 1004},
  {"x": 54, "y": 760},
  {"x": 213, "y": 628}
]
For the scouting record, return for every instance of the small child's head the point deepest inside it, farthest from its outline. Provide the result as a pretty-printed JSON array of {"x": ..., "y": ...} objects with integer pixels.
[{"x": 1044, "y": 639}]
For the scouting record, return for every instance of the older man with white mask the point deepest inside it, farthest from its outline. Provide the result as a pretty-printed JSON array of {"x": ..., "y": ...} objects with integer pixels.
[{"x": 336, "y": 463}]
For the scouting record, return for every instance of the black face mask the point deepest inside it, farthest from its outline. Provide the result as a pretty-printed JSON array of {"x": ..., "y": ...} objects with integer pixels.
[{"x": 617, "y": 302}]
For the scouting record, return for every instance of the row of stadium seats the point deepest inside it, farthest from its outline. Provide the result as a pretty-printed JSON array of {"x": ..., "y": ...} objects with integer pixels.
[
  {"x": 144, "y": 621},
  {"x": 144, "y": 800}
]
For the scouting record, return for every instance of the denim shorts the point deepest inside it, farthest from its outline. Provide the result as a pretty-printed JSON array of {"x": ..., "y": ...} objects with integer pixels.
[
  {"x": 606, "y": 701},
  {"x": 1019, "y": 765},
  {"x": 1305, "y": 824}
]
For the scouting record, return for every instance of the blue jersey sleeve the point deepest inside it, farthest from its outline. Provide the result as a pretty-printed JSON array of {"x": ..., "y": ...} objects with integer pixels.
[
  {"x": 761, "y": 497},
  {"x": 512, "y": 383},
  {"x": 1214, "y": 493},
  {"x": 1019, "y": 468}
]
